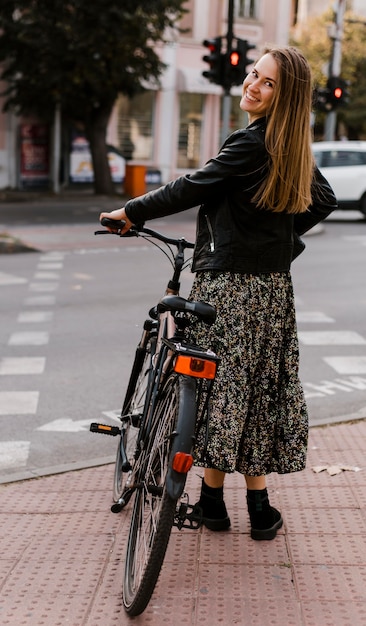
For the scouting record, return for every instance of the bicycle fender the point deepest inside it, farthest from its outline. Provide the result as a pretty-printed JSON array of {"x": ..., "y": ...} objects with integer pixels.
[{"x": 183, "y": 435}]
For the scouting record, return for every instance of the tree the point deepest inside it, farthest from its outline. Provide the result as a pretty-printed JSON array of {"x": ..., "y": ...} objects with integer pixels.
[
  {"x": 314, "y": 41},
  {"x": 80, "y": 55}
]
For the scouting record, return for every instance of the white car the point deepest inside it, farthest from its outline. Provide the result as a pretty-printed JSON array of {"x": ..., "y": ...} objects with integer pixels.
[{"x": 343, "y": 163}]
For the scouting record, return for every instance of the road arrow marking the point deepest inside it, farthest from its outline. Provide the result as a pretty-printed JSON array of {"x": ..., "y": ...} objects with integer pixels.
[
  {"x": 113, "y": 415},
  {"x": 66, "y": 425}
]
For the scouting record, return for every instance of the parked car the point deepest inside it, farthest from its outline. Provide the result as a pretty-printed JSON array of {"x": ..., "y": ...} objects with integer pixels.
[{"x": 343, "y": 163}]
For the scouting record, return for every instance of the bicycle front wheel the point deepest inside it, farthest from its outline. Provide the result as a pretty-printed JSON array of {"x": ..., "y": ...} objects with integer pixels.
[
  {"x": 131, "y": 415},
  {"x": 153, "y": 511}
]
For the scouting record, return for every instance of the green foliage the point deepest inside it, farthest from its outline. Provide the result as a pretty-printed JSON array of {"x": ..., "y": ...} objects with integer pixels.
[
  {"x": 81, "y": 53},
  {"x": 314, "y": 41}
]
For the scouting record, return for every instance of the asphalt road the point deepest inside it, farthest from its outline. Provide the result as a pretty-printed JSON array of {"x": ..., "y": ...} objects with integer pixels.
[{"x": 71, "y": 314}]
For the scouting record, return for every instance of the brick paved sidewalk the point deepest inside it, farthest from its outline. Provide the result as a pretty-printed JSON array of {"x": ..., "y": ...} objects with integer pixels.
[{"x": 62, "y": 551}]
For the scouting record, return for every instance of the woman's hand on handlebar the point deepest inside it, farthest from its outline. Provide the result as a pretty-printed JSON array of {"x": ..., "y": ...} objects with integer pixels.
[{"x": 118, "y": 214}]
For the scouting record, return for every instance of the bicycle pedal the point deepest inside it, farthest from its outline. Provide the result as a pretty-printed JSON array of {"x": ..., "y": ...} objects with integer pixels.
[
  {"x": 105, "y": 429},
  {"x": 188, "y": 516}
]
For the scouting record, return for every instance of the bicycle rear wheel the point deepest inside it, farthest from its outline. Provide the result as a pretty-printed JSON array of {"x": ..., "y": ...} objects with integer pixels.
[
  {"x": 153, "y": 511},
  {"x": 131, "y": 414}
]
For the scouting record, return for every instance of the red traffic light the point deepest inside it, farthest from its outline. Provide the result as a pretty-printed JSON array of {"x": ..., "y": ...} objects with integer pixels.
[
  {"x": 338, "y": 92},
  {"x": 234, "y": 58}
]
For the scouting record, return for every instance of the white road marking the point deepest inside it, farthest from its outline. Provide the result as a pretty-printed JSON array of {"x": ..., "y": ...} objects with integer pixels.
[
  {"x": 52, "y": 256},
  {"x": 29, "y": 339},
  {"x": 331, "y": 387},
  {"x": 113, "y": 415},
  {"x": 46, "y": 276},
  {"x": 9, "y": 279},
  {"x": 50, "y": 266},
  {"x": 66, "y": 425},
  {"x": 43, "y": 286},
  {"x": 40, "y": 301},
  {"x": 347, "y": 364},
  {"x": 34, "y": 317},
  {"x": 314, "y": 317},
  {"x": 14, "y": 453},
  {"x": 18, "y": 402},
  {"x": 331, "y": 338},
  {"x": 22, "y": 365}
]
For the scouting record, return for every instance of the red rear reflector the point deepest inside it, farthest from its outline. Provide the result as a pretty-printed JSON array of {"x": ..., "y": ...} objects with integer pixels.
[
  {"x": 182, "y": 462},
  {"x": 191, "y": 366}
]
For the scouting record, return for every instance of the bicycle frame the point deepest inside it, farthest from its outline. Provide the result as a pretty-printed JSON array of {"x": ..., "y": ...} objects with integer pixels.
[{"x": 170, "y": 382}]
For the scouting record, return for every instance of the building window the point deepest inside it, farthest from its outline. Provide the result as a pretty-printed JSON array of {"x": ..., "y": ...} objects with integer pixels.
[
  {"x": 135, "y": 126},
  {"x": 190, "y": 127},
  {"x": 248, "y": 9}
]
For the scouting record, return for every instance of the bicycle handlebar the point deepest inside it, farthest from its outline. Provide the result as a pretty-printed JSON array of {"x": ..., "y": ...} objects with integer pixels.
[{"x": 117, "y": 225}]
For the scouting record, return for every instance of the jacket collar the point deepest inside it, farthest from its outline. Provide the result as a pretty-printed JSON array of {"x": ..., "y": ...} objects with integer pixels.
[{"x": 260, "y": 123}]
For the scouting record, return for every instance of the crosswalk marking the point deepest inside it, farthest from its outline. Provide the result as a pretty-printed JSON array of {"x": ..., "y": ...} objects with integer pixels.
[
  {"x": 43, "y": 286},
  {"x": 13, "y": 454},
  {"x": 40, "y": 301},
  {"x": 34, "y": 317},
  {"x": 18, "y": 402},
  {"x": 52, "y": 256},
  {"x": 40, "y": 298},
  {"x": 347, "y": 364},
  {"x": 50, "y": 266},
  {"x": 46, "y": 276},
  {"x": 22, "y": 365},
  {"x": 29, "y": 338},
  {"x": 331, "y": 338},
  {"x": 9, "y": 279},
  {"x": 313, "y": 317}
]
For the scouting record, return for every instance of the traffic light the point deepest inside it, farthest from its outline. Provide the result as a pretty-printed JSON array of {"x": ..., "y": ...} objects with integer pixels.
[
  {"x": 244, "y": 46},
  {"x": 236, "y": 62},
  {"x": 321, "y": 99},
  {"x": 332, "y": 96},
  {"x": 215, "y": 60},
  {"x": 338, "y": 94}
]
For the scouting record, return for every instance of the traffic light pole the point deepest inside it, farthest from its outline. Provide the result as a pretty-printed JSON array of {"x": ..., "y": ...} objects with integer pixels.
[
  {"x": 226, "y": 105},
  {"x": 335, "y": 64}
]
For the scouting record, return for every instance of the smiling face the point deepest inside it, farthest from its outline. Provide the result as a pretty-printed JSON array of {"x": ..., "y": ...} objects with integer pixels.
[{"x": 259, "y": 88}]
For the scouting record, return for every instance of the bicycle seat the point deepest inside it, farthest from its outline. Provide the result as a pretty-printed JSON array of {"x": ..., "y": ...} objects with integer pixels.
[{"x": 202, "y": 310}]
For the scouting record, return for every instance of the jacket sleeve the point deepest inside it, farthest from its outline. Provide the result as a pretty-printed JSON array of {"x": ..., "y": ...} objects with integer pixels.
[
  {"x": 239, "y": 153},
  {"x": 323, "y": 203}
]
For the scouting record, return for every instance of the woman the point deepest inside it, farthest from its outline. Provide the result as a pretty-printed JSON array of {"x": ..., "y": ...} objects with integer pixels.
[{"x": 257, "y": 196}]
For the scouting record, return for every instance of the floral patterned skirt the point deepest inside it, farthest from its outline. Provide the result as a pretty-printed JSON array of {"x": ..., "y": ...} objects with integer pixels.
[{"x": 258, "y": 420}]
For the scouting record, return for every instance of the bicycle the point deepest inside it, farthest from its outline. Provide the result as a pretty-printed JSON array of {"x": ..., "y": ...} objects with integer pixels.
[{"x": 167, "y": 397}]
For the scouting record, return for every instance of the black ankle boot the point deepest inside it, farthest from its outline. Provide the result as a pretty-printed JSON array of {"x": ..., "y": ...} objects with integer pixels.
[
  {"x": 265, "y": 520},
  {"x": 214, "y": 513}
]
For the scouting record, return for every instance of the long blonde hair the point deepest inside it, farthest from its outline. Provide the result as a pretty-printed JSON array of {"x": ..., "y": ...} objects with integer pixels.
[{"x": 288, "y": 136}]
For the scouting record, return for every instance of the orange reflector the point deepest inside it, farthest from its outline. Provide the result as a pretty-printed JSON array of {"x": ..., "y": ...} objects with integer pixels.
[
  {"x": 182, "y": 462},
  {"x": 195, "y": 367},
  {"x": 104, "y": 427}
]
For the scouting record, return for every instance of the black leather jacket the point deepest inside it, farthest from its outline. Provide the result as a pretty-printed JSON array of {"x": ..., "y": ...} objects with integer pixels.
[{"x": 232, "y": 234}]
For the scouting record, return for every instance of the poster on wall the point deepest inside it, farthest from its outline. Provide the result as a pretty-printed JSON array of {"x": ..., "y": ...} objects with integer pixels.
[
  {"x": 81, "y": 167},
  {"x": 34, "y": 156}
]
